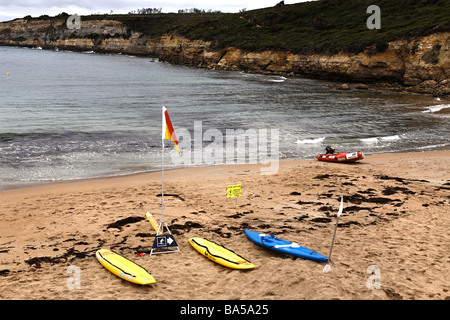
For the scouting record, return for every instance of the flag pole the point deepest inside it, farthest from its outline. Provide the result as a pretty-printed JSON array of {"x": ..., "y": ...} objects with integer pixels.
[
  {"x": 162, "y": 169},
  {"x": 164, "y": 242}
]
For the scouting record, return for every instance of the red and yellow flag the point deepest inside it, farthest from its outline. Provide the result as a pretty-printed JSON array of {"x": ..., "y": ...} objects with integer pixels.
[{"x": 167, "y": 129}]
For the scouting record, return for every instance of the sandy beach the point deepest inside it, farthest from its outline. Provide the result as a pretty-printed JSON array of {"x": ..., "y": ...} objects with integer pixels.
[{"x": 392, "y": 241}]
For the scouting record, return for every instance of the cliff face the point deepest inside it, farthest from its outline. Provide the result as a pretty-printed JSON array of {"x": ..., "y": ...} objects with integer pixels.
[{"x": 420, "y": 64}]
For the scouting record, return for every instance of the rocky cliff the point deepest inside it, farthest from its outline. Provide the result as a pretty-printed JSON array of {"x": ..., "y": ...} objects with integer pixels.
[{"x": 418, "y": 64}]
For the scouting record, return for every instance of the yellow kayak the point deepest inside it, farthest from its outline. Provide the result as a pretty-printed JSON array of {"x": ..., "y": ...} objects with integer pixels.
[
  {"x": 220, "y": 254},
  {"x": 124, "y": 268}
]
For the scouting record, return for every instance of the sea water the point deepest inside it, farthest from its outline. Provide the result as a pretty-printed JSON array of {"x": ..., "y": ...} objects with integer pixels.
[{"x": 67, "y": 115}]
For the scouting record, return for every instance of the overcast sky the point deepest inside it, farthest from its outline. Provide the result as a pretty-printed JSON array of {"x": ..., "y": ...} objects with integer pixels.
[{"x": 11, "y": 9}]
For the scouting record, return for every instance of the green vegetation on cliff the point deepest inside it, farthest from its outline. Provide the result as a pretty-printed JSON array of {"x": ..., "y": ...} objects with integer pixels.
[{"x": 326, "y": 26}]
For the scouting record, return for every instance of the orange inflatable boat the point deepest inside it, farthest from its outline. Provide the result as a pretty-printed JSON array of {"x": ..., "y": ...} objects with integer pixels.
[{"x": 341, "y": 157}]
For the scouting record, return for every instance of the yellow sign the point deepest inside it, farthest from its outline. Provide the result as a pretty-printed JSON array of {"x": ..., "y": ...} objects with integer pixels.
[{"x": 234, "y": 191}]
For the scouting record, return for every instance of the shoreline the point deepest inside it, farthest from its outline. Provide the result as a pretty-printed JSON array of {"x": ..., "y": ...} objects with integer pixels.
[
  {"x": 394, "y": 219},
  {"x": 39, "y": 184}
]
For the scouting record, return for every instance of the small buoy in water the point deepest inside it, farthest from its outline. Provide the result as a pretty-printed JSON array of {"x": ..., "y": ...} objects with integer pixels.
[{"x": 7, "y": 73}]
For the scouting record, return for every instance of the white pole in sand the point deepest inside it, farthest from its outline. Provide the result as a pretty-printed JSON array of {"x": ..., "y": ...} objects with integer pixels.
[{"x": 327, "y": 267}]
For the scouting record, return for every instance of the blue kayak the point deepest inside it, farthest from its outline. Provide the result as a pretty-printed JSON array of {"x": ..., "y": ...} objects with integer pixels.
[{"x": 283, "y": 246}]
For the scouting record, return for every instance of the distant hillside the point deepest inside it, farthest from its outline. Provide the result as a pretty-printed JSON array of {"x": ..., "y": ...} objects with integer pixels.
[{"x": 326, "y": 26}]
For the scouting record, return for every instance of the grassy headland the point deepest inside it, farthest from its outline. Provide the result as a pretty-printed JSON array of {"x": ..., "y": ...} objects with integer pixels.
[{"x": 326, "y": 26}]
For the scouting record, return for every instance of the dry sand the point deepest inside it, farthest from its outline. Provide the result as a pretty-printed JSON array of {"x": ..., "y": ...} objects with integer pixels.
[{"x": 395, "y": 221}]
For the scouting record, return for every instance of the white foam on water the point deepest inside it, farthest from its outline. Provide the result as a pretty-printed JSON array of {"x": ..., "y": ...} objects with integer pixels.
[
  {"x": 376, "y": 140},
  {"x": 435, "y": 146},
  {"x": 391, "y": 138},
  {"x": 277, "y": 79},
  {"x": 310, "y": 141},
  {"x": 436, "y": 108},
  {"x": 369, "y": 140}
]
